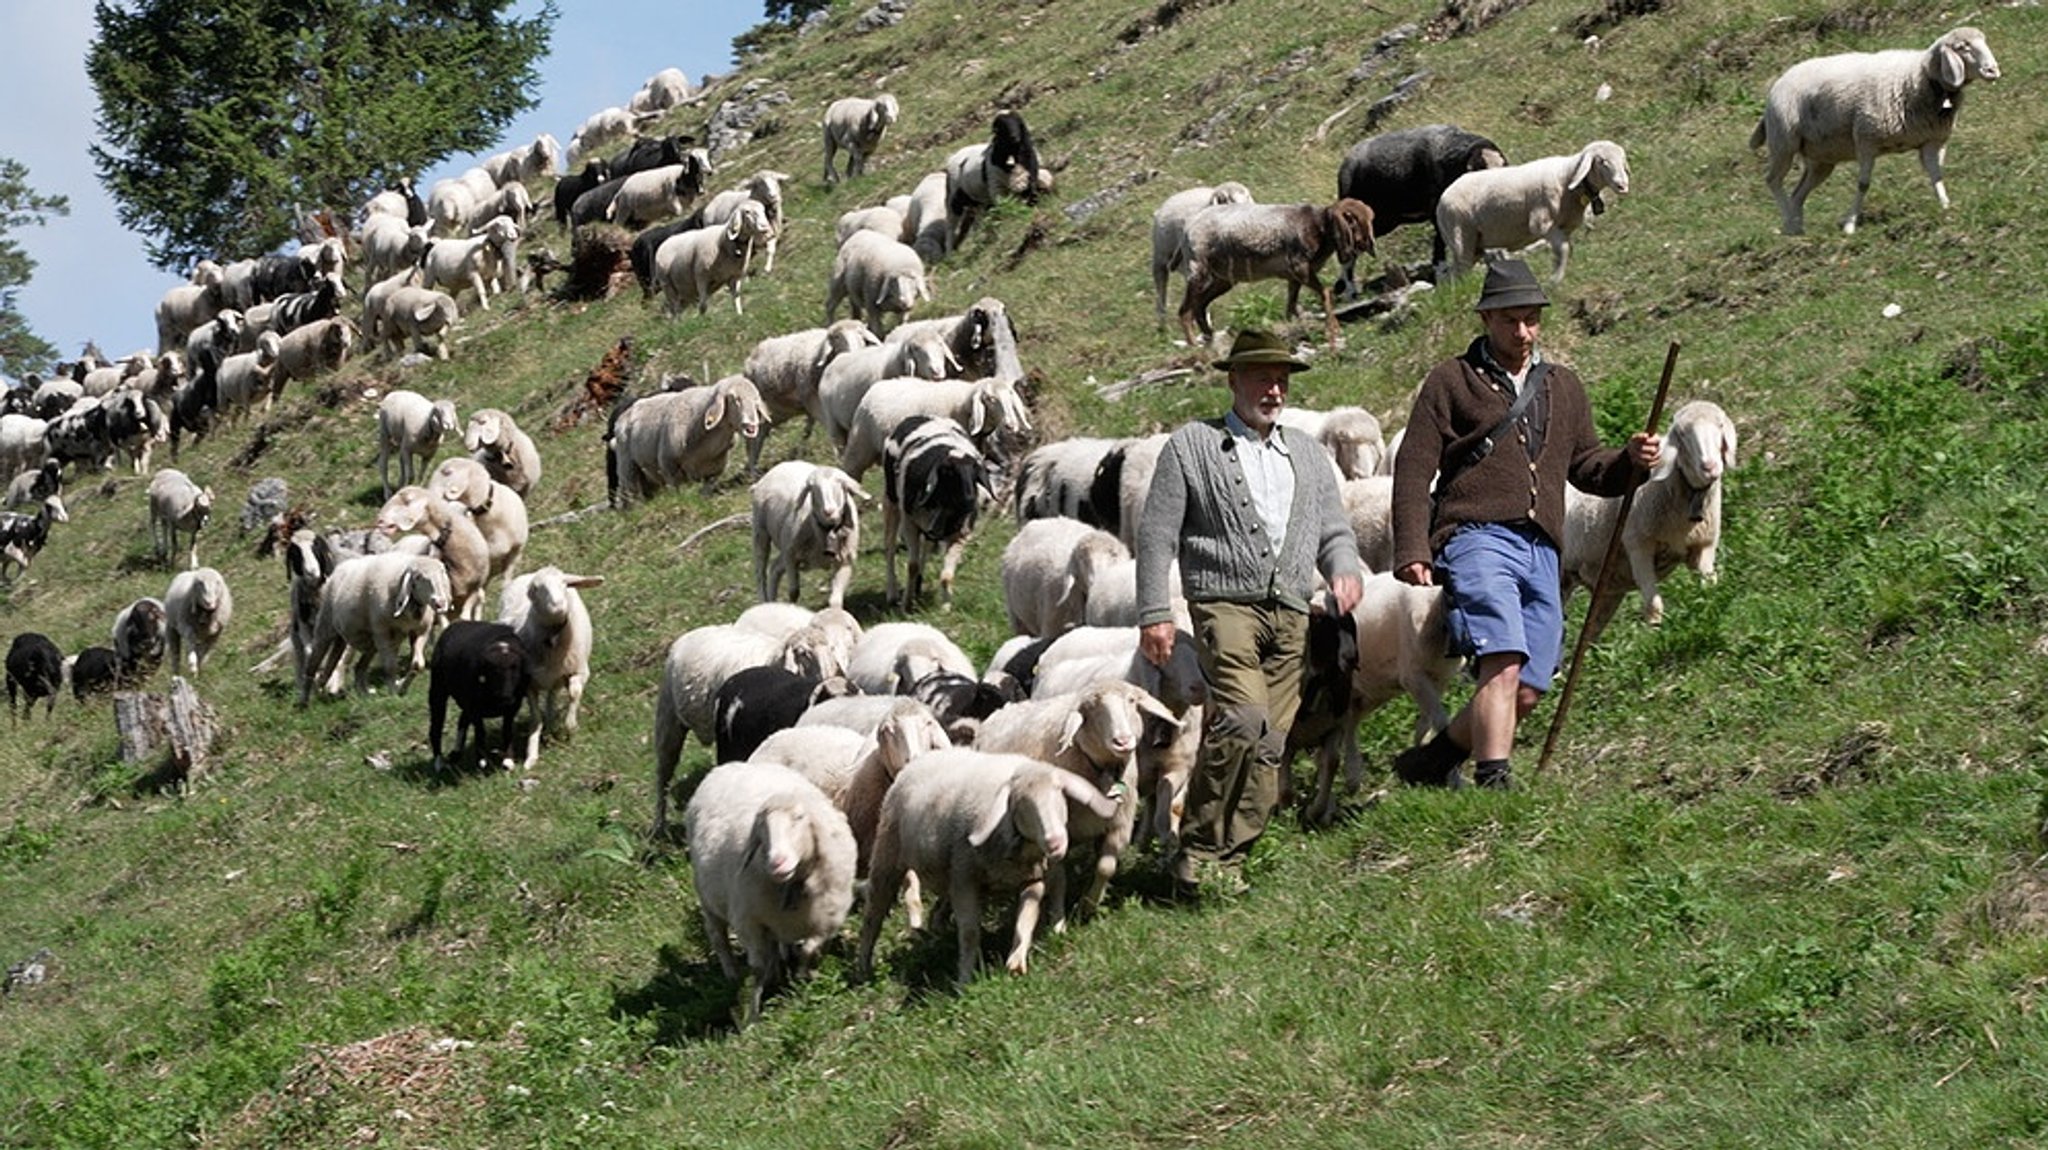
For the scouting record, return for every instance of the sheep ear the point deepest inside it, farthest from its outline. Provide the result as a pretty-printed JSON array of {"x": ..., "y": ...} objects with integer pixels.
[
  {"x": 1582, "y": 167},
  {"x": 1728, "y": 444},
  {"x": 978, "y": 415},
  {"x": 715, "y": 414},
  {"x": 992, "y": 820},
  {"x": 1946, "y": 65},
  {"x": 1068, "y": 729},
  {"x": 854, "y": 488},
  {"x": 1158, "y": 710}
]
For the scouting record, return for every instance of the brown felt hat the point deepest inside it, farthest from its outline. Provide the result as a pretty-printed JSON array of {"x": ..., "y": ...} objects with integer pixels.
[
  {"x": 1510, "y": 283},
  {"x": 1255, "y": 346}
]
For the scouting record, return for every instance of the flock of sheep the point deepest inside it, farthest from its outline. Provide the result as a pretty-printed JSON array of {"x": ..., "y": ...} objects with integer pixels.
[{"x": 851, "y": 752}]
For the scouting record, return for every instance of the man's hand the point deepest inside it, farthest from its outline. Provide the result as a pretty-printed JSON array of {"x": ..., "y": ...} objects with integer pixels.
[
  {"x": 1345, "y": 591},
  {"x": 1155, "y": 642},
  {"x": 1415, "y": 574},
  {"x": 1644, "y": 448}
]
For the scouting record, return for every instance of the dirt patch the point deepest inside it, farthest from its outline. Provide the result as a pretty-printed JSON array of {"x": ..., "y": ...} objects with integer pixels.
[
  {"x": 366, "y": 1092},
  {"x": 1464, "y": 17},
  {"x": 1161, "y": 18},
  {"x": 2018, "y": 903},
  {"x": 1859, "y": 755},
  {"x": 1613, "y": 14}
]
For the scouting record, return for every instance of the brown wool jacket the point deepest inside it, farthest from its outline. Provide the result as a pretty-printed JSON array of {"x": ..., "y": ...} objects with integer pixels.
[{"x": 1458, "y": 404}]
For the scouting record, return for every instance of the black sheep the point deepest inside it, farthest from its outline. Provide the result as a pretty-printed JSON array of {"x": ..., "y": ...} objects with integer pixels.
[
  {"x": 482, "y": 666},
  {"x": 94, "y": 671},
  {"x": 573, "y": 185},
  {"x": 22, "y": 536},
  {"x": 36, "y": 667},
  {"x": 1401, "y": 175},
  {"x": 759, "y": 701},
  {"x": 933, "y": 479}
]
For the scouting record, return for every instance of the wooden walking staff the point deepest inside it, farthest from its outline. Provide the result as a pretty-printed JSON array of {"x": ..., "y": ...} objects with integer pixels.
[{"x": 1607, "y": 564}]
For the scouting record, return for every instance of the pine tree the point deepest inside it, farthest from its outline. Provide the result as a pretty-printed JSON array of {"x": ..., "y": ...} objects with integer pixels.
[{"x": 21, "y": 350}]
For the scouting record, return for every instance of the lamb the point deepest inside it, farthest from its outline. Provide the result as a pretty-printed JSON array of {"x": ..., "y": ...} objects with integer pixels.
[
  {"x": 22, "y": 537},
  {"x": 855, "y": 125},
  {"x": 933, "y": 479},
  {"x": 926, "y": 226},
  {"x": 676, "y": 437},
  {"x": 1862, "y": 105},
  {"x": 805, "y": 515},
  {"x": 1048, "y": 569},
  {"x": 1170, "y": 231},
  {"x": 650, "y": 196},
  {"x": 977, "y": 174},
  {"x": 410, "y": 426},
  {"x": 1350, "y": 434},
  {"x": 975, "y": 824},
  {"x": 483, "y": 668},
  {"x": 846, "y": 379},
  {"x": 420, "y": 316},
  {"x": 1229, "y": 244},
  {"x": 197, "y": 608},
  {"x": 93, "y": 671},
  {"x": 890, "y": 658},
  {"x": 375, "y": 604},
  {"x": 877, "y": 276},
  {"x": 691, "y": 267},
  {"x": 773, "y": 860},
  {"x": 662, "y": 91},
  {"x": 139, "y": 634},
  {"x": 1401, "y": 176},
  {"x": 493, "y": 439},
  {"x": 698, "y": 661},
  {"x": 1518, "y": 205},
  {"x": 446, "y": 531},
  {"x": 764, "y": 187},
  {"x": 481, "y": 262},
  {"x": 1095, "y": 734},
  {"x": 242, "y": 377},
  {"x": 177, "y": 504},
  {"x": 498, "y": 511},
  {"x": 35, "y": 667},
  {"x": 546, "y": 609},
  {"x": 756, "y": 702},
  {"x": 786, "y": 370},
  {"x": 1675, "y": 517}
]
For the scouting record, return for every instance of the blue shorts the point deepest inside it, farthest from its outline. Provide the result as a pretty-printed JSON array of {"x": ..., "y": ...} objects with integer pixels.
[{"x": 1504, "y": 596}]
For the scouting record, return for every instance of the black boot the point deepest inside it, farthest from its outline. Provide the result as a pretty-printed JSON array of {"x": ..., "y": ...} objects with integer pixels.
[
  {"x": 1493, "y": 775},
  {"x": 1433, "y": 764}
]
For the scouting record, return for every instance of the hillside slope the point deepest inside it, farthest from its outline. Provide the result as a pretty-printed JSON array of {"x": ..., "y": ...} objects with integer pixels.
[{"x": 1783, "y": 886}]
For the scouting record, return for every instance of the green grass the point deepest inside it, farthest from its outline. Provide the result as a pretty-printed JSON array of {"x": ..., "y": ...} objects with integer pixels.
[{"x": 1783, "y": 886}]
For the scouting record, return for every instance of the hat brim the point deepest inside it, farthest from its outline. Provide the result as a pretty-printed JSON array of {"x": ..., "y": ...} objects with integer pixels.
[
  {"x": 1513, "y": 297},
  {"x": 1251, "y": 358}
]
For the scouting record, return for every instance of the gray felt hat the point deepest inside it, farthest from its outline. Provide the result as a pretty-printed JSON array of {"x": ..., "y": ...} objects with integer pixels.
[
  {"x": 1510, "y": 283},
  {"x": 1255, "y": 346}
]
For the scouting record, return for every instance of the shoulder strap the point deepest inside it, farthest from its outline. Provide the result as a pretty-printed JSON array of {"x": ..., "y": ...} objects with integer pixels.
[{"x": 1531, "y": 388}]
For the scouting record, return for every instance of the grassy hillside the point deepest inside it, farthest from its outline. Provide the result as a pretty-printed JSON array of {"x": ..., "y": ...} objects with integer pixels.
[{"x": 1783, "y": 886}]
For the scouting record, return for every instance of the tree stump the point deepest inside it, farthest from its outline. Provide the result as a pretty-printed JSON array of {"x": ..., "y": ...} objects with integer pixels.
[{"x": 172, "y": 735}]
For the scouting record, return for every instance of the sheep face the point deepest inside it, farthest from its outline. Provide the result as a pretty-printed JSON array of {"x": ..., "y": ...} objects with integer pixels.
[
  {"x": 1959, "y": 57},
  {"x": 1700, "y": 445},
  {"x": 1350, "y": 226},
  {"x": 1601, "y": 166}
]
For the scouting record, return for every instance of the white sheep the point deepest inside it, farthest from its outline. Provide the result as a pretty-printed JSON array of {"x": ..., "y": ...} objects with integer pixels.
[
  {"x": 197, "y": 608},
  {"x": 322, "y": 345},
  {"x": 881, "y": 218},
  {"x": 1351, "y": 435},
  {"x": 926, "y": 226},
  {"x": 498, "y": 511},
  {"x": 376, "y": 604},
  {"x": 986, "y": 408},
  {"x": 1113, "y": 596},
  {"x": 546, "y": 609},
  {"x": 376, "y": 300},
  {"x": 486, "y": 261},
  {"x": 1862, "y": 105},
  {"x": 187, "y": 307},
  {"x": 846, "y": 379},
  {"x": 662, "y": 91},
  {"x": 494, "y": 439},
  {"x": 764, "y": 187},
  {"x": 1084, "y": 655},
  {"x": 889, "y": 658},
  {"x": 1229, "y": 244},
  {"x": 389, "y": 245},
  {"x": 855, "y": 124},
  {"x": 602, "y": 127},
  {"x": 420, "y": 316},
  {"x": 543, "y": 157},
  {"x": 877, "y": 276},
  {"x": 1095, "y": 733},
  {"x": 651, "y": 196},
  {"x": 1170, "y": 231},
  {"x": 972, "y": 825},
  {"x": 691, "y": 266},
  {"x": 177, "y": 504},
  {"x": 410, "y": 426},
  {"x": 1369, "y": 503},
  {"x": 242, "y": 377},
  {"x": 1675, "y": 518},
  {"x": 773, "y": 862},
  {"x": 1058, "y": 478},
  {"x": 805, "y": 515},
  {"x": 676, "y": 437},
  {"x": 451, "y": 204},
  {"x": 786, "y": 370},
  {"x": 24, "y": 442},
  {"x": 1048, "y": 571},
  {"x": 855, "y": 767},
  {"x": 1518, "y": 205},
  {"x": 698, "y": 661},
  {"x": 422, "y": 522}
]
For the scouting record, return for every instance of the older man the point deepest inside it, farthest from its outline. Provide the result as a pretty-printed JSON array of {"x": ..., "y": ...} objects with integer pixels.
[{"x": 1251, "y": 511}]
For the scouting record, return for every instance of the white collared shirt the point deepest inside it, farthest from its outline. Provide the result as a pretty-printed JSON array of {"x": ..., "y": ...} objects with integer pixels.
[{"x": 1268, "y": 475}]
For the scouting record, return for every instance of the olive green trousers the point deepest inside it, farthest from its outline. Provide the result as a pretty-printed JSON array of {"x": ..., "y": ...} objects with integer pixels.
[{"x": 1252, "y": 655}]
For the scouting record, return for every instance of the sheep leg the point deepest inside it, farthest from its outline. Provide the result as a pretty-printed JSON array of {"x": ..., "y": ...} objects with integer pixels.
[
  {"x": 885, "y": 880},
  {"x": 1029, "y": 901},
  {"x": 947, "y": 568},
  {"x": 476, "y": 280},
  {"x": 1329, "y": 308},
  {"x": 1809, "y": 179},
  {"x": 913, "y": 900},
  {"x": 669, "y": 734},
  {"x": 764, "y": 959},
  {"x": 842, "y": 578},
  {"x": 715, "y": 930},
  {"x": 1642, "y": 563},
  {"x": 965, "y": 895},
  {"x": 1931, "y": 156},
  {"x": 892, "y": 518}
]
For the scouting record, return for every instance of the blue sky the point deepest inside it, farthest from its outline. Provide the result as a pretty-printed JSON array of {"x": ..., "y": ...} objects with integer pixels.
[{"x": 92, "y": 280}]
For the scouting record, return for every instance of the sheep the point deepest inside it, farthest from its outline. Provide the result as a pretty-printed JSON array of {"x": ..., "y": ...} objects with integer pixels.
[
  {"x": 1113, "y": 596},
  {"x": 881, "y": 219},
  {"x": 308, "y": 560},
  {"x": 532, "y": 161},
  {"x": 571, "y": 187},
  {"x": 855, "y": 125},
  {"x": 1084, "y": 655},
  {"x": 855, "y": 767},
  {"x": 764, "y": 187},
  {"x": 421, "y": 316},
  {"x": 139, "y": 634},
  {"x": 189, "y": 306},
  {"x": 36, "y": 485},
  {"x": 389, "y": 245},
  {"x": 877, "y": 276},
  {"x": 889, "y": 658},
  {"x": 242, "y": 377},
  {"x": 692, "y": 266},
  {"x": 310, "y": 350},
  {"x": 773, "y": 861},
  {"x": 93, "y": 671},
  {"x": 197, "y": 609},
  {"x": 821, "y": 646},
  {"x": 662, "y": 91},
  {"x": 987, "y": 408},
  {"x": 1170, "y": 230},
  {"x": 22, "y": 537},
  {"x": 483, "y": 668},
  {"x": 979, "y": 173},
  {"x": 445, "y": 530},
  {"x": 606, "y": 126},
  {"x": 846, "y": 379},
  {"x": 933, "y": 479},
  {"x": 512, "y": 201},
  {"x": 926, "y": 226},
  {"x": 1862, "y": 105},
  {"x": 1047, "y": 570},
  {"x": 135, "y": 424},
  {"x": 410, "y": 426},
  {"x": 675, "y": 437},
  {"x": 1518, "y": 205},
  {"x": 546, "y": 609},
  {"x": 498, "y": 511},
  {"x": 24, "y": 442},
  {"x": 698, "y": 661},
  {"x": 1229, "y": 244},
  {"x": 212, "y": 342},
  {"x": 375, "y": 603},
  {"x": 805, "y": 515},
  {"x": 287, "y": 314},
  {"x": 786, "y": 370},
  {"x": 479, "y": 262},
  {"x": 493, "y": 439},
  {"x": 982, "y": 340},
  {"x": 1094, "y": 733},
  {"x": 1351, "y": 435},
  {"x": 35, "y": 667},
  {"x": 650, "y": 196},
  {"x": 974, "y": 824},
  {"x": 177, "y": 504},
  {"x": 1675, "y": 517},
  {"x": 756, "y": 702},
  {"x": 451, "y": 204},
  {"x": 1369, "y": 503},
  {"x": 1401, "y": 176},
  {"x": 1056, "y": 479}
]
